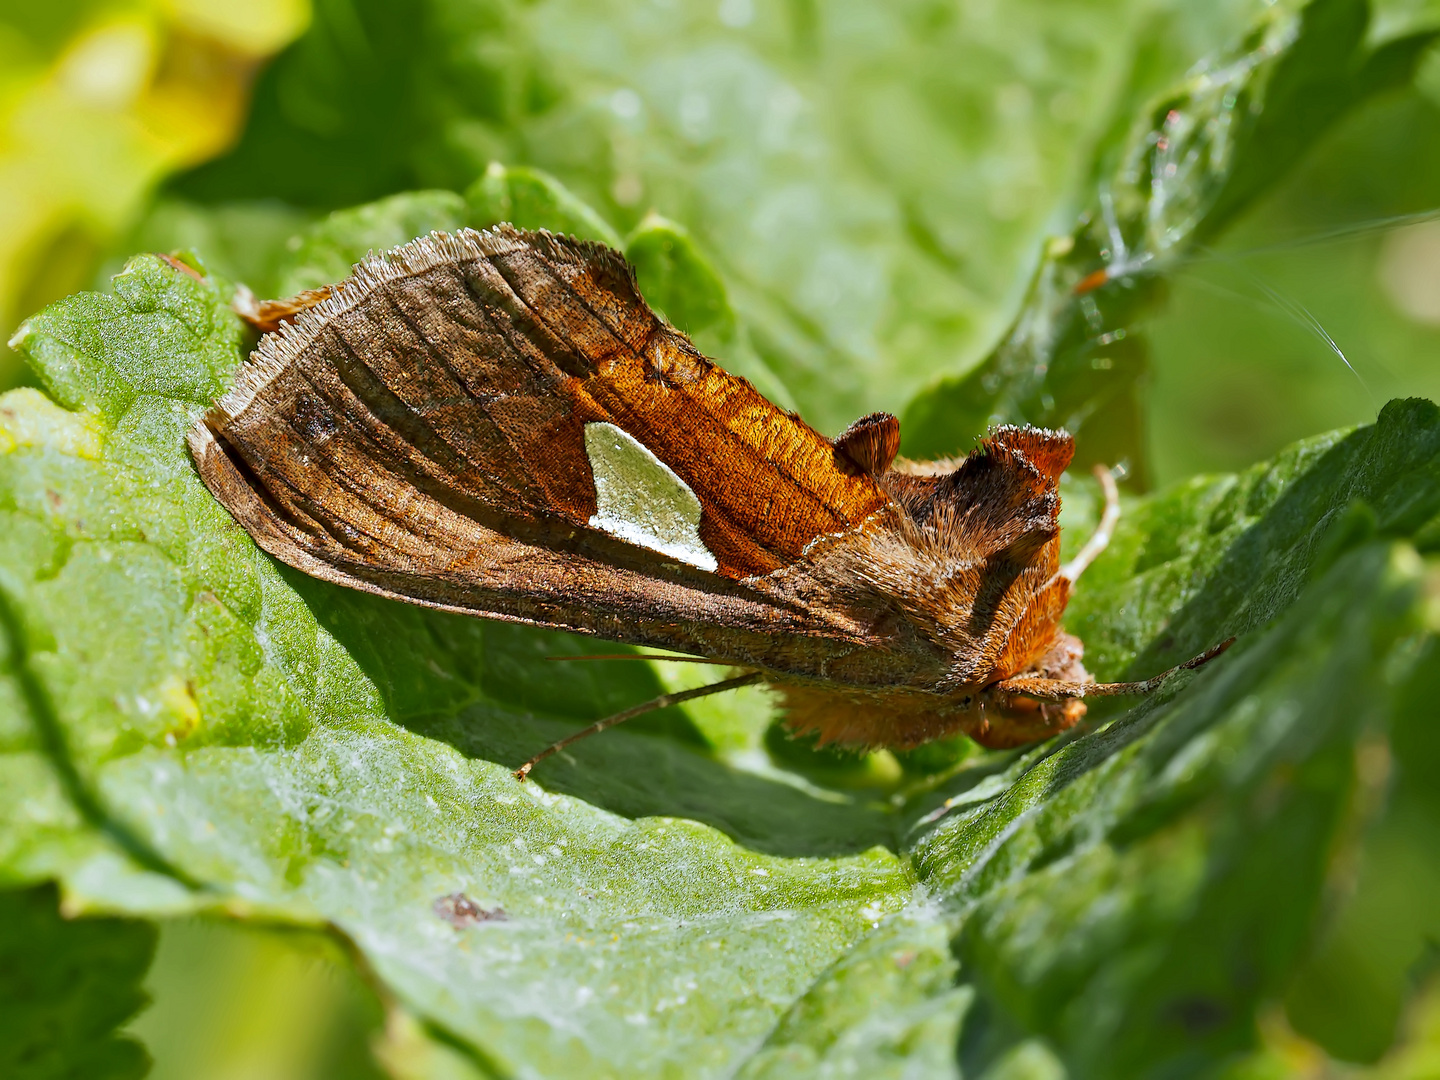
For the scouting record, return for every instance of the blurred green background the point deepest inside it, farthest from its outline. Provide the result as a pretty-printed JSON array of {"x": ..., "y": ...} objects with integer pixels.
[
  {"x": 875, "y": 183},
  {"x": 875, "y": 187}
]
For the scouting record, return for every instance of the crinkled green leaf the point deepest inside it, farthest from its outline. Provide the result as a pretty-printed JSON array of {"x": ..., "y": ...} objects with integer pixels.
[
  {"x": 1219, "y": 556},
  {"x": 65, "y": 987},
  {"x": 186, "y": 726},
  {"x": 890, "y": 1007},
  {"x": 1175, "y": 863},
  {"x": 281, "y": 746},
  {"x": 1200, "y": 154}
]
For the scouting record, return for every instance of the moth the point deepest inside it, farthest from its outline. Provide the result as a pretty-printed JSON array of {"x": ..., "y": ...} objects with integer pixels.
[{"x": 497, "y": 423}]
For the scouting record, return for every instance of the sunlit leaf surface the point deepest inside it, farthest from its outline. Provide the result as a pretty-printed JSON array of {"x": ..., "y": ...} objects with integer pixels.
[
  {"x": 187, "y": 727},
  {"x": 243, "y": 738}
]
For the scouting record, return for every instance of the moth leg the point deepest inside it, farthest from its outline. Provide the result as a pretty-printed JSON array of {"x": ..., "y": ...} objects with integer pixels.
[
  {"x": 269, "y": 315},
  {"x": 661, "y": 702},
  {"x": 1100, "y": 538},
  {"x": 179, "y": 265},
  {"x": 1062, "y": 689}
]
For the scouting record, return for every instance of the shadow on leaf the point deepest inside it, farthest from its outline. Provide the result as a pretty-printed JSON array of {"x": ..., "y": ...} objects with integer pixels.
[{"x": 488, "y": 689}]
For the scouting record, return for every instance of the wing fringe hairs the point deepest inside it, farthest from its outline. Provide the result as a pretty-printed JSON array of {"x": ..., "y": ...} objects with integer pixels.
[{"x": 280, "y": 348}]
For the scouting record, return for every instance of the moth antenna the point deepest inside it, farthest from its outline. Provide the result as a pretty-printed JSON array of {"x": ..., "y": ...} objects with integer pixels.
[
  {"x": 1352, "y": 231},
  {"x": 1100, "y": 538},
  {"x": 661, "y": 702},
  {"x": 1295, "y": 311},
  {"x": 642, "y": 656},
  {"x": 1062, "y": 689},
  {"x": 1302, "y": 316}
]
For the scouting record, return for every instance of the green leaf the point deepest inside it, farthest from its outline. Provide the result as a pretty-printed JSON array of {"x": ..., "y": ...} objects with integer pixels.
[
  {"x": 324, "y": 253},
  {"x": 1200, "y": 155},
  {"x": 273, "y": 745},
  {"x": 186, "y": 726},
  {"x": 95, "y": 356},
  {"x": 533, "y": 200},
  {"x": 677, "y": 279},
  {"x": 1220, "y": 556},
  {"x": 1137, "y": 895},
  {"x": 65, "y": 987},
  {"x": 1380, "y": 948}
]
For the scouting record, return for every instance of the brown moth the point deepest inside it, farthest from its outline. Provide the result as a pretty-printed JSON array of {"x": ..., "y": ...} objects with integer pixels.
[{"x": 497, "y": 423}]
